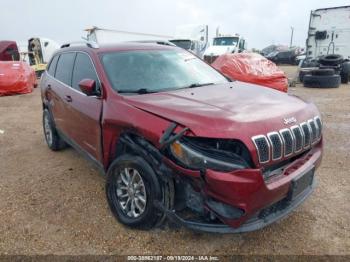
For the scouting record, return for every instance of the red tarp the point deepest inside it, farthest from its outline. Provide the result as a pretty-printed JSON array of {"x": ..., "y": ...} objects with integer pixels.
[
  {"x": 16, "y": 77},
  {"x": 252, "y": 68}
]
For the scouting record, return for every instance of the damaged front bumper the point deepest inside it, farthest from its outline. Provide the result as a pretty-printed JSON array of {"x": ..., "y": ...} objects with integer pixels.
[
  {"x": 262, "y": 202},
  {"x": 252, "y": 224}
]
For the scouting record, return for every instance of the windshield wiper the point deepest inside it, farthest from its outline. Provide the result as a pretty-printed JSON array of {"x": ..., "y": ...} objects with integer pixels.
[
  {"x": 198, "y": 85},
  {"x": 136, "y": 91}
]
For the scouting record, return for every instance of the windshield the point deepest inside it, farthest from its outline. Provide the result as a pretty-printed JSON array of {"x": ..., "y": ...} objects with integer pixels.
[
  {"x": 157, "y": 70},
  {"x": 225, "y": 41},
  {"x": 185, "y": 44}
]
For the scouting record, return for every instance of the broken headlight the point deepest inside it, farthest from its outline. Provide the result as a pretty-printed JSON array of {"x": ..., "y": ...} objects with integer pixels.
[{"x": 215, "y": 154}]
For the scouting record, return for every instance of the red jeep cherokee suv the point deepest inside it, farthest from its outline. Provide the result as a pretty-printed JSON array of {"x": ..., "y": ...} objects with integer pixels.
[{"x": 178, "y": 140}]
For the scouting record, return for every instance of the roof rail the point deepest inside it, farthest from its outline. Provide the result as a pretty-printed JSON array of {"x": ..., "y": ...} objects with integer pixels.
[
  {"x": 87, "y": 43},
  {"x": 158, "y": 42}
]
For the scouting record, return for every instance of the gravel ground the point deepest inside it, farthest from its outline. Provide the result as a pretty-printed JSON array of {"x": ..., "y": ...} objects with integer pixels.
[{"x": 54, "y": 203}]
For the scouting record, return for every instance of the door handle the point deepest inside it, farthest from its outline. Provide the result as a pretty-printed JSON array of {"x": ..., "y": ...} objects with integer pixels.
[{"x": 68, "y": 99}]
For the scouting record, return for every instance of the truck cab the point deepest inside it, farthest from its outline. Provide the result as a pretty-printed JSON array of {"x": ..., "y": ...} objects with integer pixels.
[
  {"x": 193, "y": 38},
  {"x": 225, "y": 44}
]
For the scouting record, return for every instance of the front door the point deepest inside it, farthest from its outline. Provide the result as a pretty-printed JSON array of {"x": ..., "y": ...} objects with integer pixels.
[{"x": 84, "y": 112}]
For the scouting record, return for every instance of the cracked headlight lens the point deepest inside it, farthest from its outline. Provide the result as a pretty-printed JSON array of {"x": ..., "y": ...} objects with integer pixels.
[{"x": 201, "y": 157}]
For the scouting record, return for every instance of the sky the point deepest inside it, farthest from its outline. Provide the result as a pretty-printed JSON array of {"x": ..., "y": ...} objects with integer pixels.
[{"x": 261, "y": 22}]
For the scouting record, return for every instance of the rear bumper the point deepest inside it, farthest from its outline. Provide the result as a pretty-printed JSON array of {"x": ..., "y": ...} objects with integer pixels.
[
  {"x": 252, "y": 224},
  {"x": 263, "y": 202}
]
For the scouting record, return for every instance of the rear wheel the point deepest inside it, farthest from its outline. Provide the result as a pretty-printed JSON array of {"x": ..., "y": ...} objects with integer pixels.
[
  {"x": 132, "y": 190},
  {"x": 53, "y": 140}
]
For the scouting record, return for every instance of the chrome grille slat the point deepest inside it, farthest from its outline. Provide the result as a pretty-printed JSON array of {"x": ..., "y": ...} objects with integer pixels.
[
  {"x": 307, "y": 134},
  {"x": 313, "y": 131},
  {"x": 288, "y": 141},
  {"x": 319, "y": 126},
  {"x": 298, "y": 138},
  {"x": 262, "y": 147},
  {"x": 276, "y": 145}
]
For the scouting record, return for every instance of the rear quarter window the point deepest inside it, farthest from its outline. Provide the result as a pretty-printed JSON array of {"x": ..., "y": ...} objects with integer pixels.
[{"x": 64, "y": 68}]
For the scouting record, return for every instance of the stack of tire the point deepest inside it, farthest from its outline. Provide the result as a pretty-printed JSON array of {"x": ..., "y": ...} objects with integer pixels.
[{"x": 332, "y": 71}]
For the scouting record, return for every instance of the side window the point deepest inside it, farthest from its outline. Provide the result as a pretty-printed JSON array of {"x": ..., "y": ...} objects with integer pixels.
[
  {"x": 52, "y": 67},
  {"x": 83, "y": 69},
  {"x": 65, "y": 67},
  {"x": 241, "y": 44}
]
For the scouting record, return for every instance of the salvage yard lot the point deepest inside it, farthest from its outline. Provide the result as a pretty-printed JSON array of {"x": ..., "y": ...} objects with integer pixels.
[{"x": 54, "y": 203}]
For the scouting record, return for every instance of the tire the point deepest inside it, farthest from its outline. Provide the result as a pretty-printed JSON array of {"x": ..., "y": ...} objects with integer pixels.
[
  {"x": 53, "y": 140},
  {"x": 345, "y": 72},
  {"x": 116, "y": 193},
  {"x": 345, "y": 78},
  {"x": 322, "y": 81},
  {"x": 331, "y": 60},
  {"x": 323, "y": 72},
  {"x": 303, "y": 73}
]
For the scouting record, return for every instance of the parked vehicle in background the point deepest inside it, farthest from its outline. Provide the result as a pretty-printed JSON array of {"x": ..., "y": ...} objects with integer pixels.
[
  {"x": 178, "y": 140},
  {"x": 283, "y": 57},
  {"x": 273, "y": 48},
  {"x": 328, "y": 47},
  {"x": 252, "y": 68},
  {"x": 224, "y": 44},
  {"x": 193, "y": 38},
  {"x": 9, "y": 51}
]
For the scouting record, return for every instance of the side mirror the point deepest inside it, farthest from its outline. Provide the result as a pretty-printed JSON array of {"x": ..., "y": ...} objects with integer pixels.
[{"x": 88, "y": 86}]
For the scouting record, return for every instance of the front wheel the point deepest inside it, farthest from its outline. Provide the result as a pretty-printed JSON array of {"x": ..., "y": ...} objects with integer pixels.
[{"x": 132, "y": 189}]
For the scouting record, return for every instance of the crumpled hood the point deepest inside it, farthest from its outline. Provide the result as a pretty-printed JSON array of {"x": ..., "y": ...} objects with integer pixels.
[
  {"x": 216, "y": 50},
  {"x": 235, "y": 109}
]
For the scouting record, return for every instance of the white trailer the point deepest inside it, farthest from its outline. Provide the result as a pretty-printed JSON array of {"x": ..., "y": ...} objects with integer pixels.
[
  {"x": 329, "y": 32},
  {"x": 328, "y": 42},
  {"x": 109, "y": 36}
]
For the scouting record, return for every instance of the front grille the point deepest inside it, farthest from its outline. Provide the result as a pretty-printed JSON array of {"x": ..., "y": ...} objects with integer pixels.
[{"x": 288, "y": 141}]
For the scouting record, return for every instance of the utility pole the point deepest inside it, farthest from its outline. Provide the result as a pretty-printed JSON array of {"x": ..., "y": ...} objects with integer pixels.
[{"x": 291, "y": 37}]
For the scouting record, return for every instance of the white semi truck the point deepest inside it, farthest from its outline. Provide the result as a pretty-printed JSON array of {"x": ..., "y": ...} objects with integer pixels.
[{"x": 223, "y": 44}]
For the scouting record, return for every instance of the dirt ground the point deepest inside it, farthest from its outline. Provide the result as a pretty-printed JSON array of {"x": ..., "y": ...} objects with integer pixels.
[{"x": 54, "y": 202}]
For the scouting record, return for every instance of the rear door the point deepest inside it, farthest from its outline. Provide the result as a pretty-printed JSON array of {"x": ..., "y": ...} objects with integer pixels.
[
  {"x": 83, "y": 112},
  {"x": 60, "y": 86}
]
